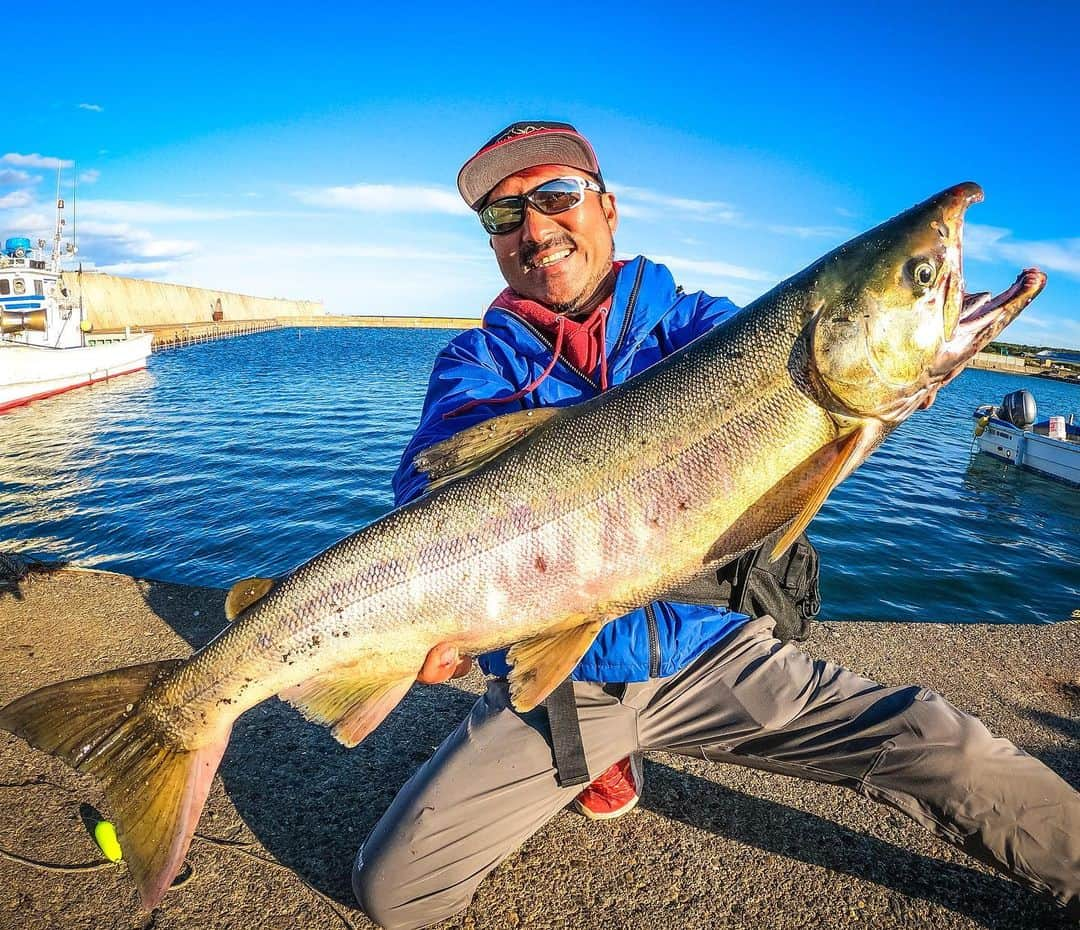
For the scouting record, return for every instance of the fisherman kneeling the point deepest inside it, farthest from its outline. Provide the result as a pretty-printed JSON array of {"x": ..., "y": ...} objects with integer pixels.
[{"x": 679, "y": 677}]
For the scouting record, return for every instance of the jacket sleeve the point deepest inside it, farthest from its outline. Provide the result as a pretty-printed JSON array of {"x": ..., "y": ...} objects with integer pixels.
[
  {"x": 465, "y": 370},
  {"x": 695, "y": 314}
]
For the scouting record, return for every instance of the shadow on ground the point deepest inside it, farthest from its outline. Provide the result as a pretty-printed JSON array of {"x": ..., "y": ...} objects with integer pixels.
[{"x": 310, "y": 801}]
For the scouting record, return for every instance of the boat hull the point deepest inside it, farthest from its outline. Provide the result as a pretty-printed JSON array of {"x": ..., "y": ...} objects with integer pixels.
[
  {"x": 1058, "y": 459},
  {"x": 29, "y": 373}
]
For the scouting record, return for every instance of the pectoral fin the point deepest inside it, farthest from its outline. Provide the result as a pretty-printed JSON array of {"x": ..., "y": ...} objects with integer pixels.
[
  {"x": 477, "y": 445},
  {"x": 540, "y": 664},
  {"x": 844, "y": 456},
  {"x": 351, "y": 704}
]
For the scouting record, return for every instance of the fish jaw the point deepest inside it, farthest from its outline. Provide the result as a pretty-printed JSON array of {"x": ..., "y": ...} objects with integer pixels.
[{"x": 983, "y": 318}]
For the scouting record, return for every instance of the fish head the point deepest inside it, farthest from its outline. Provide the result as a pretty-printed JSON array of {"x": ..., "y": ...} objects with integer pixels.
[{"x": 893, "y": 322}]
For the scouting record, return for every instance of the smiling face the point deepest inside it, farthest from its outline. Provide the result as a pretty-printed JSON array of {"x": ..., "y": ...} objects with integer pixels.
[{"x": 562, "y": 261}]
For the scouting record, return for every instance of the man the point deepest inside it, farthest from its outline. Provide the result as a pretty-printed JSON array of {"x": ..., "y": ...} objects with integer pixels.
[{"x": 684, "y": 678}]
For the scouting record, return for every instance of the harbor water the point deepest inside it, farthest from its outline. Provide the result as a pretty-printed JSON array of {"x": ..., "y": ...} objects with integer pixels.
[{"x": 248, "y": 456}]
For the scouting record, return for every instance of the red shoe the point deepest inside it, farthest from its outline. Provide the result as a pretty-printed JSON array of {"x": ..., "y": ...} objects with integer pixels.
[{"x": 614, "y": 792}]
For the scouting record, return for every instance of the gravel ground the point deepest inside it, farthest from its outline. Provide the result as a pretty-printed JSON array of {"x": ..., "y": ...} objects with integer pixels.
[{"x": 709, "y": 846}]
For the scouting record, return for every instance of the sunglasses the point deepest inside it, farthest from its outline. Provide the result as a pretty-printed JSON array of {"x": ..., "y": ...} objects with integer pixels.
[{"x": 555, "y": 196}]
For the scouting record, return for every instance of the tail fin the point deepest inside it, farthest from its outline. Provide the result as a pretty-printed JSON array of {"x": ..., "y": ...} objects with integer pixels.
[{"x": 154, "y": 792}]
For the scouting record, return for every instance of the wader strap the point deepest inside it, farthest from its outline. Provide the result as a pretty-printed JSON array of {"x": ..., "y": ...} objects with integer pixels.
[
  {"x": 570, "y": 767},
  {"x": 796, "y": 568}
]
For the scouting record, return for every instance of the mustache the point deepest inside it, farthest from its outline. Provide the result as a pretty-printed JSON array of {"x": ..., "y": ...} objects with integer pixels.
[{"x": 529, "y": 250}]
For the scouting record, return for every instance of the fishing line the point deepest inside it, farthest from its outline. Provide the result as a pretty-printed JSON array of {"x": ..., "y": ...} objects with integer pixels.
[{"x": 245, "y": 847}]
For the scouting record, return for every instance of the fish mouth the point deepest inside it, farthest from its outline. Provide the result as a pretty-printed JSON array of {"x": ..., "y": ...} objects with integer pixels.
[
  {"x": 978, "y": 308},
  {"x": 983, "y": 317}
]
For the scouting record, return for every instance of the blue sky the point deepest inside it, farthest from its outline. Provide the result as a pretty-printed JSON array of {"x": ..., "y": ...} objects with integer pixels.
[{"x": 306, "y": 152}]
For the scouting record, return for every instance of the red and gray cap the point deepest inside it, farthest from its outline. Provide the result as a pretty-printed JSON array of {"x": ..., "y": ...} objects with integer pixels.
[{"x": 520, "y": 146}]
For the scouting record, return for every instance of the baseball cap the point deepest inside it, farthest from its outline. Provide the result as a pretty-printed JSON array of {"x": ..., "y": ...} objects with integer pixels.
[{"x": 522, "y": 145}]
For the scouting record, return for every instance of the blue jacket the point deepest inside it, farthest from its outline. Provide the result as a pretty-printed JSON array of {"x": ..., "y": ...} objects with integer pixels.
[{"x": 649, "y": 319}]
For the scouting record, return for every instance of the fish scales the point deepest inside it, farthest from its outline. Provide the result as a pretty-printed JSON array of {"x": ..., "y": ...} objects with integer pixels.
[{"x": 582, "y": 485}]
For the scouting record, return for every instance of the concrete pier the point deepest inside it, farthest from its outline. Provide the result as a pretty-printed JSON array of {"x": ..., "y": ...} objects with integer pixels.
[
  {"x": 112, "y": 302},
  {"x": 709, "y": 846}
]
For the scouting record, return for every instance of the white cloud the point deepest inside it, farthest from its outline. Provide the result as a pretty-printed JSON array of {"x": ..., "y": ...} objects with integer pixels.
[
  {"x": 993, "y": 243},
  {"x": 631, "y": 200},
  {"x": 398, "y": 253},
  {"x": 131, "y": 241},
  {"x": 138, "y": 269},
  {"x": 31, "y": 224},
  {"x": 714, "y": 269},
  {"x": 357, "y": 277},
  {"x": 15, "y": 200},
  {"x": 148, "y": 211},
  {"x": 89, "y": 176},
  {"x": 812, "y": 232},
  {"x": 1057, "y": 330},
  {"x": 14, "y": 176},
  {"x": 93, "y": 107},
  {"x": 35, "y": 160},
  {"x": 386, "y": 198}
]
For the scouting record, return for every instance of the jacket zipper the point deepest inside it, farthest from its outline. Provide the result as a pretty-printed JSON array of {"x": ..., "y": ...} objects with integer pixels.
[
  {"x": 629, "y": 308},
  {"x": 627, "y": 317},
  {"x": 550, "y": 347},
  {"x": 654, "y": 642}
]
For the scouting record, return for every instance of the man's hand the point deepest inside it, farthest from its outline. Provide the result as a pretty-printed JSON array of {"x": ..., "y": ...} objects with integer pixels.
[{"x": 443, "y": 663}]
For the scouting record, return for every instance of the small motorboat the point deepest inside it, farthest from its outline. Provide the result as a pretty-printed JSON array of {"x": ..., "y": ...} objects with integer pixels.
[{"x": 1009, "y": 432}]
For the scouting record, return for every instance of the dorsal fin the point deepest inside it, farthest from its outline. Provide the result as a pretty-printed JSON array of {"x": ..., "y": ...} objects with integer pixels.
[
  {"x": 477, "y": 445},
  {"x": 245, "y": 593}
]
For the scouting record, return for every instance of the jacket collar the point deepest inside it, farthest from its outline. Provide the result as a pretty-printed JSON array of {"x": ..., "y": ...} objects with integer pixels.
[{"x": 644, "y": 295}]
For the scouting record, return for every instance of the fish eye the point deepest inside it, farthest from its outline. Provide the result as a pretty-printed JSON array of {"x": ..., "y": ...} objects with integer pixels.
[{"x": 923, "y": 272}]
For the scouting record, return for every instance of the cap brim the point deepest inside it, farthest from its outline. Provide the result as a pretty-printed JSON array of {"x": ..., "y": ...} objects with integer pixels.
[{"x": 546, "y": 147}]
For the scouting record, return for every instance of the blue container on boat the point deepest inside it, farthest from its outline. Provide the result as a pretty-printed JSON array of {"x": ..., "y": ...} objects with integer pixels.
[{"x": 15, "y": 243}]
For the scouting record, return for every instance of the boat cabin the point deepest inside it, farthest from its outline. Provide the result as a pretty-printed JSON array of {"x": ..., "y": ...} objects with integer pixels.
[{"x": 35, "y": 307}]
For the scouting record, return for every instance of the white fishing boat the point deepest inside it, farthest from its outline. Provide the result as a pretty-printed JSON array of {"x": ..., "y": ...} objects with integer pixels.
[
  {"x": 43, "y": 332},
  {"x": 1008, "y": 431}
]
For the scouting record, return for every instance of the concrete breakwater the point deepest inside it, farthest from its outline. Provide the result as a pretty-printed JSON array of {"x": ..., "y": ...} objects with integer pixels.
[
  {"x": 113, "y": 303},
  {"x": 399, "y": 322},
  {"x": 179, "y": 315}
]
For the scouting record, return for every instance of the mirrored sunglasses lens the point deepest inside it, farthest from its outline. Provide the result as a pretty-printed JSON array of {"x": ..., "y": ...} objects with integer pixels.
[
  {"x": 501, "y": 216},
  {"x": 557, "y": 196}
]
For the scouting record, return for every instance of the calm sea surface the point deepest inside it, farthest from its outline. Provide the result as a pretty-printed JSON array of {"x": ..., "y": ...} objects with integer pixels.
[{"x": 247, "y": 456}]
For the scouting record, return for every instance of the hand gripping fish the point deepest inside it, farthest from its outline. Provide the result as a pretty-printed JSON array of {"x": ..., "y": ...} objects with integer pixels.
[{"x": 540, "y": 526}]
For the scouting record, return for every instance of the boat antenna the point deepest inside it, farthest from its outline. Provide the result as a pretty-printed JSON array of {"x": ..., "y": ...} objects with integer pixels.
[
  {"x": 74, "y": 207},
  {"x": 59, "y": 223}
]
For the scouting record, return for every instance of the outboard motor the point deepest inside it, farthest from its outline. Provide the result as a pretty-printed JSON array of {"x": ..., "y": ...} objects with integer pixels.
[{"x": 1018, "y": 408}]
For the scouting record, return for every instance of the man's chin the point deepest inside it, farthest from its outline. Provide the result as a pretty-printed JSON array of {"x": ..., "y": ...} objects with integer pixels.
[{"x": 558, "y": 299}]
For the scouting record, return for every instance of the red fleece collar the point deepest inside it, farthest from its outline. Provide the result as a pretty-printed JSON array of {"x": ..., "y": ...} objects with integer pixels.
[{"x": 583, "y": 340}]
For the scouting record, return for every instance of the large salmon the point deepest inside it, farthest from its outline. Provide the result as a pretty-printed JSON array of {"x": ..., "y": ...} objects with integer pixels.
[{"x": 540, "y": 526}]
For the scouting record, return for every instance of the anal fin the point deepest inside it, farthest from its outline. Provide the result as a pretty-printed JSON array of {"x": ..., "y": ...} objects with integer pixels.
[{"x": 353, "y": 705}]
